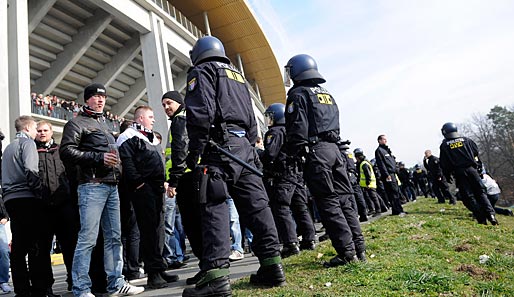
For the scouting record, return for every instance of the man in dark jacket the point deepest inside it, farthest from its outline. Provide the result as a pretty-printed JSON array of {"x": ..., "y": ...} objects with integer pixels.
[
  {"x": 386, "y": 164},
  {"x": 143, "y": 174},
  {"x": 219, "y": 109},
  {"x": 459, "y": 157},
  {"x": 88, "y": 146},
  {"x": 22, "y": 196},
  {"x": 285, "y": 187},
  {"x": 60, "y": 209},
  {"x": 419, "y": 177},
  {"x": 312, "y": 131},
  {"x": 439, "y": 184}
]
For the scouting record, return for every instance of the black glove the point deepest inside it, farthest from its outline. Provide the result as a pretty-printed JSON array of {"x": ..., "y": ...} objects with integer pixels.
[{"x": 192, "y": 160}]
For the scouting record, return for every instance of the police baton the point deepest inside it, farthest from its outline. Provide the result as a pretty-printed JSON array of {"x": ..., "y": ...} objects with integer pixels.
[{"x": 235, "y": 158}]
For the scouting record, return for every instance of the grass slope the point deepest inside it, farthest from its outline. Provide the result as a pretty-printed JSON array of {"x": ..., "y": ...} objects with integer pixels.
[{"x": 433, "y": 251}]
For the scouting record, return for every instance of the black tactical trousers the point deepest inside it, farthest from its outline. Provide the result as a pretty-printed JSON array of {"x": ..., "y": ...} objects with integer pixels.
[
  {"x": 148, "y": 205},
  {"x": 468, "y": 181},
  {"x": 249, "y": 195},
  {"x": 372, "y": 196},
  {"x": 360, "y": 203},
  {"x": 393, "y": 193},
  {"x": 441, "y": 190},
  {"x": 330, "y": 186},
  {"x": 287, "y": 201}
]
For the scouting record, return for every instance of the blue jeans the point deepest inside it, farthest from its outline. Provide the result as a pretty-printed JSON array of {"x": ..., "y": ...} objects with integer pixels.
[
  {"x": 99, "y": 205},
  {"x": 172, "y": 249},
  {"x": 235, "y": 228},
  {"x": 4, "y": 255}
]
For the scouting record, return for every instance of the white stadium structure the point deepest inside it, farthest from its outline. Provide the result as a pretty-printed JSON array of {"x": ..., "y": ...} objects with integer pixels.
[{"x": 139, "y": 49}]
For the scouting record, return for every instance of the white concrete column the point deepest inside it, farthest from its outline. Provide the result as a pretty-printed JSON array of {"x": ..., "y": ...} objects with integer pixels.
[
  {"x": 240, "y": 64},
  {"x": 18, "y": 55},
  {"x": 206, "y": 22},
  {"x": 4, "y": 75},
  {"x": 158, "y": 77}
]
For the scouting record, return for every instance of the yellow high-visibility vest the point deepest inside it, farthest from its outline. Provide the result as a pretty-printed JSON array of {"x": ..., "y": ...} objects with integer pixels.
[{"x": 362, "y": 182}]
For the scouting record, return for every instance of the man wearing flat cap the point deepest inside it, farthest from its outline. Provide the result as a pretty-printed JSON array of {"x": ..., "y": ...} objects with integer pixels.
[{"x": 88, "y": 146}]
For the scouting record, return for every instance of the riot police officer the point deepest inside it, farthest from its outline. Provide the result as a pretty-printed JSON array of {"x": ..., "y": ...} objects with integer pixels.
[
  {"x": 419, "y": 176},
  {"x": 358, "y": 202},
  {"x": 439, "y": 183},
  {"x": 459, "y": 157},
  {"x": 219, "y": 109},
  {"x": 285, "y": 187},
  {"x": 312, "y": 132}
]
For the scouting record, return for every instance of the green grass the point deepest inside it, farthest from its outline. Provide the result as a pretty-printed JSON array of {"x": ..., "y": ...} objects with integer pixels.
[{"x": 433, "y": 251}]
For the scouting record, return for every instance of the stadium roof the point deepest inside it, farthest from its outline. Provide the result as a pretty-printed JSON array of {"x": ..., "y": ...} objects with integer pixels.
[{"x": 234, "y": 23}]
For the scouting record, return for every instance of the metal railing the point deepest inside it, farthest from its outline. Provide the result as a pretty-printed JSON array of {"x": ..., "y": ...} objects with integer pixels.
[{"x": 179, "y": 17}]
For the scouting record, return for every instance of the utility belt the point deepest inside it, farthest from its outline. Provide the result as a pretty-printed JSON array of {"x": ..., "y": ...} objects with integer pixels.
[
  {"x": 329, "y": 136},
  {"x": 209, "y": 184},
  {"x": 222, "y": 132}
]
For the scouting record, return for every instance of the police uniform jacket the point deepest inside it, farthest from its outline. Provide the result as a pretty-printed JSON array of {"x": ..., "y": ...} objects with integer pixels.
[
  {"x": 85, "y": 140},
  {"x": 274, "y": 155},
  {"x": 386, "y": 162},
  {"x": 404, "y": 176},
  {"x": 432, "y": 164},
  {"x": 176, "y": 148},
  {"x": 217, "y": 96},
  {"x": 311, "y": 116},
  {"x": 459, "y": 153}
]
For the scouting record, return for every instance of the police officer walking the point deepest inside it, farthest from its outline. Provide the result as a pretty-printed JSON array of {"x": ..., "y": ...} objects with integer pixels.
[
  {"x": 219, "y": 109},
  {"x": 439, "y": 183},
  {"x": 312, "y": 132},
  {"x": 459, "y": 157},
  {"x": 285, "y": 187}
]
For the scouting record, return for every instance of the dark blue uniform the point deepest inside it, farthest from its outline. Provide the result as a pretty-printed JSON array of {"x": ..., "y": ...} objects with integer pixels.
[
  {"x": 386, "y": 164},
  {"x": 459, "y": 156},
  {"x": 312, "y": 123},
  {"x": 219, "y": 108},
  {"x": 283, "y": 184},
  {"x": 439, "y": 184},
  {"x": 358, "y": 202}
]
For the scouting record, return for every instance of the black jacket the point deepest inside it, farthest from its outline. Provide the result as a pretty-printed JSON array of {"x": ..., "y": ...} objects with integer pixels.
[
  {"x": 459, "y": 153},
  {"x": 142, "y": 161},
  {"x": 404, "y": 176},
  {"x": 176, "y": 149},
  {"x": 218, "y": 103},
  {"x": 433, "y": 167},
  {"x": 51, "y": 171},
  {"x": 85, "y": 139},
  {"x": 274, "y": 155},
  {"x": 386, "y": 162}
]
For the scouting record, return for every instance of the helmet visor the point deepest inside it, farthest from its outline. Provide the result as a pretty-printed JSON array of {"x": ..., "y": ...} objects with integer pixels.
[{"x": 287, "y": 76}]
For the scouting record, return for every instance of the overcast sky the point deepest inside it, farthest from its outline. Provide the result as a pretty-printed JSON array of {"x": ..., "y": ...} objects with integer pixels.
[{"x": 400, "y": 68}]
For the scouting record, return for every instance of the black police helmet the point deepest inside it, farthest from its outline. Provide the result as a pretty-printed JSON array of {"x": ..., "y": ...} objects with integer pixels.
[
  {"x": 358, "y": 152},
  {"x": 208, "y": 47},
  {"x": 276, "y": 112},
  {"x": 304, "y": 67},
  {"x": 449, "y": 131}
]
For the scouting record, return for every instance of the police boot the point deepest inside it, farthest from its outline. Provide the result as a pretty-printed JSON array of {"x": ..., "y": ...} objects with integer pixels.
[
  {"x": 492, "y": 219},
  {"x": 339, "y": 261},
  {"x": 214, "y": 283},
  {"x": 290, "y": 249},
  {"x": 270, "y": 274},
  {"x": 198, "y": 276},
  {"x": 155, "y": 281},
  {"x": 307, "y": 245},
  {"x": 362, "y": 256}
]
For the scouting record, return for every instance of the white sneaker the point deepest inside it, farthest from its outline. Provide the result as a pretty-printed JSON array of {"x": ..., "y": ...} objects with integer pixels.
[
  {"x": 236, "y": 256},
  {"x": 5, "y": 288},
  {"x": 128, "y": 290},
  {"x": 87, "y": 294}
]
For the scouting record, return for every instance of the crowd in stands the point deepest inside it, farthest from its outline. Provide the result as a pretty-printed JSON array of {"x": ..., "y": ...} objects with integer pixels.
[{"x": 54, "y": 107}]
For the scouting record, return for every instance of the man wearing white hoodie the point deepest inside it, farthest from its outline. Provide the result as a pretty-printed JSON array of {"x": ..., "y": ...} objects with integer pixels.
[{"x": 144, "y": 177}]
